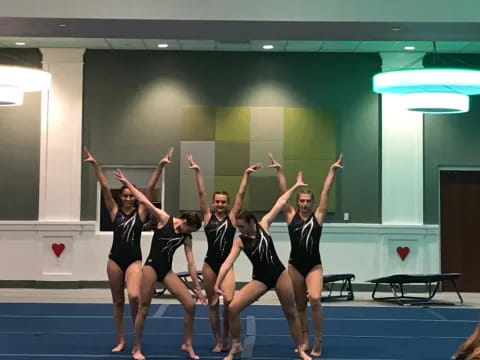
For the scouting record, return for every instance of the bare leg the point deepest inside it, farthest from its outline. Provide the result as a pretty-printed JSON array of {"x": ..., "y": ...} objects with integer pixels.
[
  {"x": 228, "y": 287},
  {"x": 149, "y": 278},
  {"x": 116, "y": 279},
  {"x": 133, "y": 278},
  {"x": 300, "y": 292},
  {"x": 284, "y": 290},
  {"x": 209, "y": 279},
  {"x": 314, "y": 281},
  {"x": 244, "y": 297},
  {"x": 178, "y": 289}
]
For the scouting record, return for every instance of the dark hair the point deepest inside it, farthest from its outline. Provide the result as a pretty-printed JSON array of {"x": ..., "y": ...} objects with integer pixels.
[
  {"x": 470, "y": 349},
  {"x": 246, "y": 215},
  {"x": 120, "y": 202},
  {"x": 221, "y": 193},
  {"x": 192, "y": 218},
  {"x": 305, "y": 191}
]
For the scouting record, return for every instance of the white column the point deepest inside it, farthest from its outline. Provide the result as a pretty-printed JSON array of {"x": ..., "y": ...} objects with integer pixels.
[
  {"x": 402, "y": 151},
  {"x": 61, "y": 136}
]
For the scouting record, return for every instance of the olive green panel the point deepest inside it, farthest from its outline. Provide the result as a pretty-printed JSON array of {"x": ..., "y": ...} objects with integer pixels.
[
  {"x": 197, "y": 123},
  {"x": 231, "y": 158},
  {"x": 263, "y": 192},
  {"x": 232, "y": 124},
  {"x": 309, "y": 134},
  {"x": 314, "y": 174},
  {"x": 230, "y": 184}
]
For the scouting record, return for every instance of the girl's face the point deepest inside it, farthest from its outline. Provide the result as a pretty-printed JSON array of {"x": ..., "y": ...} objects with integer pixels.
[
  {"x": 246, "y": 228},
  {"x": 127, "y": 198},
  {"x": 220, "y": 203},
  {"x": 305, "y": 203}
]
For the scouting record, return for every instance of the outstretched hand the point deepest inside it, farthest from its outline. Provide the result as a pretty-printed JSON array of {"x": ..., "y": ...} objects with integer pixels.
[
  {"x": 88, "y": 156},
  {"x": 166, "y": 159},
  {"x": 253, "y": 168},
  {"x": 300, "y": 182},
  {"x": 338, "y": 163},
  {"x": 193, "y": 165},
  {"x": 117, "y": 174},
  {"x": 274, "y": 163}
]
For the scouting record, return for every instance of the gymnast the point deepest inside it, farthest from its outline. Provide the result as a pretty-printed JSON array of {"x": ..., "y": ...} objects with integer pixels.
[
  {"x": 219, "y": 225},
  {"x": 124, "y": 265},
  {"x": 268, "y": 272},
  {"x": 170, "y": 234},
  {"x": 305, "y": 264}
]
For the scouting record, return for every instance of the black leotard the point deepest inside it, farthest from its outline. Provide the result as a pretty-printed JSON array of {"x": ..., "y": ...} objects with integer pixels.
[
  {"x": 220, "y": 235},
  {"x": 127, "y": 230},
  {"x": 267, "y": 267},
  {"x": 164, "y": 243},
  {"x": 305, "y": 243}
]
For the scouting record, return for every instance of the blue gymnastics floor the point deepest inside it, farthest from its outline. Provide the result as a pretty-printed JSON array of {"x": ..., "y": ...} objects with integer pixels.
[{"x": 85, "y": 331}]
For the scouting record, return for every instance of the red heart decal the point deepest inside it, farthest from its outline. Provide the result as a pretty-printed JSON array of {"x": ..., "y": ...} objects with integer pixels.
[
  {"x": 403, "y": 252},
  {"x": 58, "y": 249}
]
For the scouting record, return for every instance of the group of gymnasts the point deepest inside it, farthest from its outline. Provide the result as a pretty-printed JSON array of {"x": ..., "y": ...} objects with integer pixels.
[{"x": 304, "y": 275}]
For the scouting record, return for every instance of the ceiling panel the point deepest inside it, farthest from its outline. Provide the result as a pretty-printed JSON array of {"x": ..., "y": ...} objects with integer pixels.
[
  {"x": 257, "y": 45},
  {"x": 233, "y": 46},
  {"x": 340, "y": 46},
  {"x": 298, "y": 45},
  {"x": 124, "y": 44},
  {"x": 197, "y": 44},
  {"x": 152, "y": 44}
]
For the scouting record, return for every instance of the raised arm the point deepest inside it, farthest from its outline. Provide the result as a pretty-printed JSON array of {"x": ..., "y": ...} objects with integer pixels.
[
  {"x": 141, "y": 198},
  {"x": 237, "y": 205},
  {"x": 322, "y": 209},
  {"x": 157, "y": 173},
  {"x": 193, "y": 270},
  {"x": 288, "y": 210},
  {"x": 280, "y": 203},
  {"x": 226, "y": 266},
  {"x": 110, "y": 203},
  {"x": 202, "y": 194}
]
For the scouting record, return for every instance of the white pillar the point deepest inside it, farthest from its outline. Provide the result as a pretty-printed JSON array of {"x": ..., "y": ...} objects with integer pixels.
[
  {"x": 402, "y": 151},
  {"x": 61, "y": 136}
]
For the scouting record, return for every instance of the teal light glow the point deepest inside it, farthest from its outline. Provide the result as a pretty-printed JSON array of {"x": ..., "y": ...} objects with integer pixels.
[
  {"x": 458, "y": 81},
  {"x": 436, "y": 103}
]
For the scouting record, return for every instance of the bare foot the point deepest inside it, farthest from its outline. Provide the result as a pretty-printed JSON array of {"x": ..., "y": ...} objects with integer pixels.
[
  {"x": 303, "y": 355},
  {"x": 304, "y": 347},
  {"x": 119, "y": 347},
  {"x": 218, "y": 348},
  {"x": 316, "y": 350},
  {"x": 236, "y": 349},
  {"x": 137, "y": 354},
  {"x": 189, "y": 350}
]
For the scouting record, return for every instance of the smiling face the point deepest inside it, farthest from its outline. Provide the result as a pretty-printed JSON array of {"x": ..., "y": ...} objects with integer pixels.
[
  {"x": 220, "y": 203},
  {"x": 127, "y": 198}
]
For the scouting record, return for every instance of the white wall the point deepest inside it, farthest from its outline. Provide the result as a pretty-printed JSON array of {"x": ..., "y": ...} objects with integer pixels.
[{"x": 368, "y": 251}]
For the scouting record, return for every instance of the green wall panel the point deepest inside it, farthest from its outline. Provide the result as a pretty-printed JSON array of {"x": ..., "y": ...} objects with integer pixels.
[
  {"x": 232, "y": 124},
  {"x": 309, "y": 134},
  {"x": 198, "y": 123},
  {"x": 263, "y": 192},
  {"x": 231, "y": 158}
]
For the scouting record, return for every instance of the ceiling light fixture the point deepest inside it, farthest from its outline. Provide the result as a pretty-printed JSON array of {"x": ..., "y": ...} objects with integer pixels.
[
  {"x": 20, "y": 43},
  {"x": 431, "y": 90},
  {"x": 409, "y": 48},
  {"x": 163, "y": 46},
  {"x": 15, "y": 80},
  {"x": 268, "y": 47}
]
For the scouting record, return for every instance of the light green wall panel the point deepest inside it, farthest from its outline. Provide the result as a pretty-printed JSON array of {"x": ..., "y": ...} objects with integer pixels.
[
  {"x": 203, "y": 153},
  {"x": 309, "y": 134},
  {"x": 263, "y": 192},
  {"x": 266, "y": 123},
  {"x": 230, "y": 184},
  {"x": 197, "y": 123},
  {"x": 314, "y": 173},
  {"x": 259, "y": 153},
  {"x": 232, "y": 124},
  {"x": 231, "y": 158}
]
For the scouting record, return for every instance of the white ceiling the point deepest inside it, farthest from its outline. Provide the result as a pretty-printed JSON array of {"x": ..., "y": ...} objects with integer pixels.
[{"x": 252, "y": 45}]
